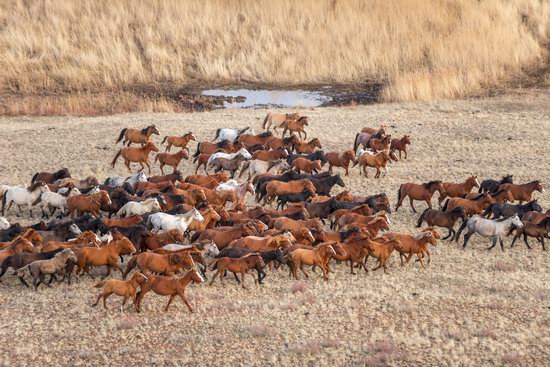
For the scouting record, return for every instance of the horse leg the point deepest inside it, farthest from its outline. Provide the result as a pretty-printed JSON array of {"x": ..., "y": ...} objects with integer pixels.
[
  {"x": 242, "y": 279},
  {"x": 148, "y": 166},
  {"x": 185, "y": 300},
  {"x": 237, "y": 278},
  {"x": 525, "y": 240},
  {"x": 462, "y": 226},
  {"x": 97, "y": 300},
  {"x": 429, "y": 256},
  {"x": 412, "y": 204},
  {"x": 501, "y": 240},
  {"x": 466, "y": 238},
  {"x": 449, "y": 234},
  {"x": 303, "y": 270},
  {"x": 169, "y": 302},
  {"x": 162, "y": 168},
  {"x": 124, "y": 303},
  {"x": 142, "y": 167},
  {"x": 515, "y": 238},
  {"x": 127, "y": 164},
  {"x": 494, "y": 244},
  {"x": 541, "y": 239}
]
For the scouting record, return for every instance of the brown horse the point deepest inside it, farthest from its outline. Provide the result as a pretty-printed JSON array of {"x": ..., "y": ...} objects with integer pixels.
[
  {"x": 471, "y": 207},
  {"x": 206, "y": 147},
  {"x": 375, "y": 160},
  {"x": 297, "y": 124},
  {"x": 122, "y": 288},
  {"x": 363, "y": 209},
  {"x": 380, "y": 144},
  {"x": 276, "y": 188},
  {"x": 136, "y": 155},
  {"x": 88, "y": 203},
  {"x": 87, "y": 238},
  {"x": 537, "y": 230},
  {"x": 222, "y": 238},
  {"x": 400, "y": 145},
  {"x": 153, "y": 241},
  {"x": 381, "y": 249},
  {"x": 524, "y": 192},
  {"x": 106, "y": 255},
  {"x": 380, "y": 132},
  {"x": 260, "y": 244},
  {"x": 167, "y": 286},
  {"x": 18, "y": 245},
  {"x": 178, "y": 141},
  {"x": 39, "y": 268},
  {"x": 231, "y": 165},
  {"x": 127, "y": 222},
  {"x": 172, "y": 160},
  {"x": 444, "y": 219},
  {"x": 203, "y": 180},
  {"x": 307, "y": 148},
  {"x": 30, "y": 234},
  {"x": 422, "y": 192},
  {"x": 168, "y": 264},
  {"x": 460, "y": 190},
  {"x": 253, "y": 139},
  {"x": 319, "y": 256},
  {"x": 137, "y": 136},
  {"x": 240, "y": 265},
  {"x": 271, "y": 155},
  {"x": 274, "y": 143},
  {"x": 50, "y": 178},
  {"x": 343, "y": 160},
  {"x": 171, "y": 177},
  {"x": 501, "y": 196},
  {"x": 278, "y": 120},
  {"x": 305, "y": 165},
  {"x": 211, "y": 217},
  {"x": 410, "y": 245}
]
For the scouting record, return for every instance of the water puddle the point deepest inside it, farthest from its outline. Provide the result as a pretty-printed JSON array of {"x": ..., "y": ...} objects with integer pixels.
[{"x": 249, "y": 98}]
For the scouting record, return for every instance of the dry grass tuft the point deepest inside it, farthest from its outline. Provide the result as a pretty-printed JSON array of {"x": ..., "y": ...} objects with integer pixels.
[
  {"x": 298, "y": 287},
  {"x": 417, "y": 49},
  {"x": 503, "y": 266},
  {"x": 260, "y": 330},
  {"x": 512, "y": 359},
  {"x": 383, "y": 353}
]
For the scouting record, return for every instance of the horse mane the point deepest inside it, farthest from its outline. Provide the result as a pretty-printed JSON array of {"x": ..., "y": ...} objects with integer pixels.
[
  {"x": 431, "y": 183},
  {"x": 544, "y": 222},
  {"x": 251, "y": 254},
  {"x": 265, "y": 134},
  {"x": 144, "y": 131},
  {"x": 35, "y": 185},
  {"x": 222, "y": 144}
]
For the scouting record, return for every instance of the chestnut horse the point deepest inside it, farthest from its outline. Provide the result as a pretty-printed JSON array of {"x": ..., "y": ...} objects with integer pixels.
[
  {"x": 122, "y": 288},
  {"x": 305, "y": 165},
  {"x": 168, "y": 286},
  {"x": 343, "y": 160},
  {"x": 459, "y": 190},
  {"x": 278, "y": 119},
  {"x": 375, "y": 160},
  {"x": 301, "y": 147},
  {"x": 88, "y": 203},
  {"x": 524, "y": 192},
  {"x": 423, "y": 192},
  {"x": 276, "y": 188},
  {"x": 106, "y": 255},
  {"x": 178, "y": 141},
  {"x": 400, "y": 145},
  {"x": 137, "y": 136},
  {"x": 471, "y": 207},
  {"x": 319, "y": 256},
  {"x": 137, "y": 155},
  {"x": 172, "y": 160},
  {"x": 240, "y": 265},
  {"x": 297, "y": 124}
]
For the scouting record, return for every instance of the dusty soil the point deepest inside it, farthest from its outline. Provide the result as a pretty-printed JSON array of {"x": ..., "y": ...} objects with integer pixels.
[{"x": 470, "y": 307}]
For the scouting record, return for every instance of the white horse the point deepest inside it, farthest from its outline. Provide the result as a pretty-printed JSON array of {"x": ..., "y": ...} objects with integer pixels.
[
  {"x": 139, "y": 208},
  {"x": 229, "y": 134},
  {"x": 239, "y": 189},
  {"x": 23, "y": 196},
  {"x": 4, "y": 224},
  {"x": 132, "y": 180},
  {"x": 51, "y": 201},
  {"x": 166, "y": 222},
  {"x": 257, "y": 167},
  {"x": 241, "y": 151},
  {"x": 490, "y": 228}
]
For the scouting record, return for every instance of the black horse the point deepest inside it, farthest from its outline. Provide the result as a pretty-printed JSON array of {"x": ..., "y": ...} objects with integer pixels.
[
  {"x": 506, "y": 210},
  {"x": 318, "y": 155},
  {"x": 10, "y": 233},
  {"x": 323, "y": 186},
  {"x": 282, "y": 200},
  {"x": 493, "y": 185}
]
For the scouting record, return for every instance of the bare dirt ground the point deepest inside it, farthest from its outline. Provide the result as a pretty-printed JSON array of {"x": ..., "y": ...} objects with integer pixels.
[{"x": 470, "y": 307}]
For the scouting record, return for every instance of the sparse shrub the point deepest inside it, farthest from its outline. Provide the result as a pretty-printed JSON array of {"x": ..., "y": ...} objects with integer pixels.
[
  {"x": 504, "y": 266},
  {"x": 298, "y": 286},
  {"x": 512, "y": 359},
  {"x": 260, "y": 330}
]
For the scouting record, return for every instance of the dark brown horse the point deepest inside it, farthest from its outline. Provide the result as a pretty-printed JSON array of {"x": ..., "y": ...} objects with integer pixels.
[
  {"x": 445, "y": 219},
  {"x": 137, "y": 136},
  {"x": 50, "y": 178}
]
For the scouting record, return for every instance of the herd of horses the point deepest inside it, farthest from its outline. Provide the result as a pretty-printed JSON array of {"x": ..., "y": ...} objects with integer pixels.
[{"x": 172, "y": 224}]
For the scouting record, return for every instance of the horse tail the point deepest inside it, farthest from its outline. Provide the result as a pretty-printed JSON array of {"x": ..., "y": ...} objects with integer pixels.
[
  {"x": 214, "y": 264},
  {"x": 487, "y": 211},
  {"x": 5, "y": 265},
  {"x": 195, "y": 236},
  {"x": 445, "y": 205},
  {"x": 356, "y": 142},
  {"x": 198, "y": 151},
  {"x": 131, "y": 264},
  {"x": 245, "y": 167},
  {"x": 116, "y": 157},
  {"x": 195, "y": 160},
  {"x": 399, "y": 194},
  {"x": 38, "y": 200},
  {"x": 122, "y": 132},
  {"x": 100, "y": 284},
  {"x": 4, "y": 203},
  {"x": 156, "y": 158},
  {"x": 217, "y": 134},
  {"x": 34, "y": 177},
  {"x": 265, "y": 123},
  {"x": 164, "y": 140},
  {"x": 421, "y": 218}
]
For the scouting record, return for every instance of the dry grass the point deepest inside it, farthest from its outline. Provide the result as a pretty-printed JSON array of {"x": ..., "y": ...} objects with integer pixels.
[{"x": 420, "y": 50}]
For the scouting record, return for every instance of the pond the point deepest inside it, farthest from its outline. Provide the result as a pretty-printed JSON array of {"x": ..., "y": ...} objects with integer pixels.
[{"x": 270, "y": 98}]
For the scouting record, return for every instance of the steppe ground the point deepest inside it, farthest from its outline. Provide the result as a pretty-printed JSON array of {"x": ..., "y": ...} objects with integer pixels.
[{"x": 470, "y": 307}]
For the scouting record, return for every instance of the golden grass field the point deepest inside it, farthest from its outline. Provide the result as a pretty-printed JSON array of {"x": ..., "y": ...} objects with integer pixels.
[
  {"x": 467, "y": 308},
  {"x": 103, "y": 57}
]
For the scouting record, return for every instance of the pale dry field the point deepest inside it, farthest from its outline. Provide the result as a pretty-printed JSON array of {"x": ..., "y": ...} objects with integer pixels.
[{"x": 468, "y": 307}]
